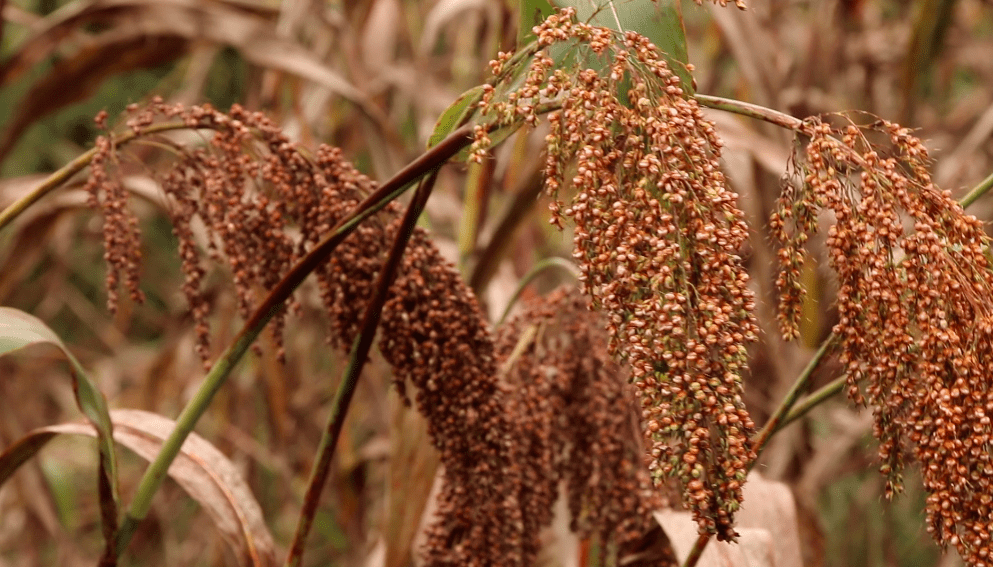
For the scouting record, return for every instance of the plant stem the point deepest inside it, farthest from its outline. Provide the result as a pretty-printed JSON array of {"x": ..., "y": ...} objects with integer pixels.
[
  {"x": 751, "y": 111},
  {"x": 275, "y": 301},
  {"x": 977, "y": 192},
  {"x": 64, "y": 173},
  {"x": 698, "y": 547},
  {"x": 357, "y": 359},
  {"x": 774, "y": 423},
  {"x": 516, "y": 213},
  {"x": 814, "y": 399}
]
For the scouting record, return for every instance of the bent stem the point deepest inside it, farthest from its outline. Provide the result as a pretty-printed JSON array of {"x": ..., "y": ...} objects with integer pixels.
[
  {"x": 539, "y": 267},
  {"x": 357, "y": 359},
  {"x": 775, "y": 421},
  {"x": 978, "y": 191},
  {"x": 64, "y": 173},
  {"x": 750, "y": 110},
  {"x": 273, "y": 303},
  {"x": 814, "y": 399}
]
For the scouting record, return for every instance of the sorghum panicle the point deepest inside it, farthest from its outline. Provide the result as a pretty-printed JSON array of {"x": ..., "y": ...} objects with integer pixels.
[
  {"x": 248, "y": 186},
  {"x": 579, "y": 420},
  {"x": 657, "y": 237},
  {"x": 915, "y": 320},
  {"x": 121, "y": 234}
]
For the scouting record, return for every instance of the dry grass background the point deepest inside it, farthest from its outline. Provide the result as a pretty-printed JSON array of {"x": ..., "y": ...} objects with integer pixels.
[{"x": 372, "y": 76}]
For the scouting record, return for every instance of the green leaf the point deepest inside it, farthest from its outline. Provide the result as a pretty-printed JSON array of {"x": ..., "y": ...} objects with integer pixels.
[
  {"x": 533, "y": 12},
  {"x": 456, "y": 115},
  {"x": 19, "y": 330},
  {"x": 661, "y": 21}
]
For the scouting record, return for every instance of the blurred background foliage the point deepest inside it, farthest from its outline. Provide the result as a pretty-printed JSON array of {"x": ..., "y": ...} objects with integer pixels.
[{"x": 372, "y": 76}]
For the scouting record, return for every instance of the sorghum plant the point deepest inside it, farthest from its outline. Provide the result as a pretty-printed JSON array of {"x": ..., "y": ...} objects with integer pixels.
[
  {"x": 250, "y": 182},
  {"x": 659, "y": 344}
]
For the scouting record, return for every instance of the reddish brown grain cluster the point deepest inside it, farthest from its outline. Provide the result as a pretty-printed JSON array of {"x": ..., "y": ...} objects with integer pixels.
[
  {"x": 579, "y": 421},
  {"x": 657, "y": 235},
  {"x": 915, "y": 322},
  {"x": 251, "y": 189},
  {"x": 240, "y": 198},
  {"x": 121, "y": 234}
]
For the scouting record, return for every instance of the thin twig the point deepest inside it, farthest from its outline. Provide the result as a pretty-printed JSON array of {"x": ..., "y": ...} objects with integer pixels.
[
  {"x": 273, "y": 303},
  {"x": 977, "y": 192},
  {"x": 357, "y": 359},
  {"x": 813, "y": 400},
  {"x": 802, "y": 381},
  {"x": 539, "y": 267},
  {"x": 750, "y": 110},
  {"x": 698, "y": 547}
]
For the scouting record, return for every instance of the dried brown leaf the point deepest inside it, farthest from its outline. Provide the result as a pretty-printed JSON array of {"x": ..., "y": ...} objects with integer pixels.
[
  {"x": 86, "y": 71},
  {"x": 143, "y": 33},
  {"x": 767, "y": 526},
  {"x": 200, "y": 469},
  {"x": 48, "y": 34},
  {"x": 413, "y": 467}
]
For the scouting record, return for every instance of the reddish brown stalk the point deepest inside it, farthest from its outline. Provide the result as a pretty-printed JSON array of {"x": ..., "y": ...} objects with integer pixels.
[{"x": 357, "y": 359}]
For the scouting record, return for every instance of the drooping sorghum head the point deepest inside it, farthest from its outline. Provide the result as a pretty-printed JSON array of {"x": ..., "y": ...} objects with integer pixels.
[
  {"x": 657, "y": 236},
  {"x": 579, "y": 421},
  {"x": 121, "y": 234},
  {"x": 915, "y": 320},
  {"x": 265, "y": 203}
]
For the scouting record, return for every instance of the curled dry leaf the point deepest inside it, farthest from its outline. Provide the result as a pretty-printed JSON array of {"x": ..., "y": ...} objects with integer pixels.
[
  {"x": 200, "y": 469},
  {"x": 19, "y": 330},
  {"x": 86, "y": 71},
  {"x": 768, "y": 530}
]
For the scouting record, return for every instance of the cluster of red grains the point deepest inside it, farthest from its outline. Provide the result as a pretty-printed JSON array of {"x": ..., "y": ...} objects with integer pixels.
[
  {"x": 248, "y": 187},
  {"x": 238, "y": 197},
  {"x": 121, "y": 235},
  {"x": 915, "y": 320},
  {"x": 579, "y": 421},
  {"x": 791, "y": 224},
  {"x": 657, "y": 236},
  {"x": 434, "y": 336}
]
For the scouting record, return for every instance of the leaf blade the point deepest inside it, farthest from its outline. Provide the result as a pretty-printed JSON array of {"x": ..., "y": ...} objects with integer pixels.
[
  {"x": 661, "y": 21},
  {"x": 200, "y": 469},
  {"x": 19, "y": 330},
  {"x": 456, "y": 114}
]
